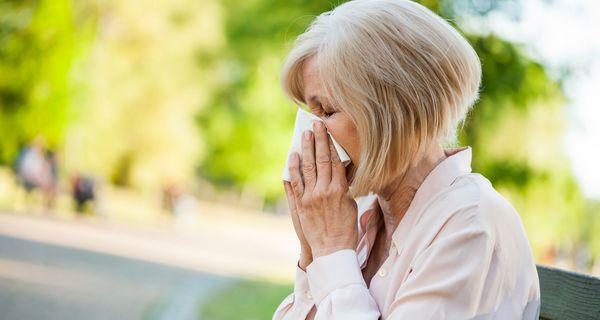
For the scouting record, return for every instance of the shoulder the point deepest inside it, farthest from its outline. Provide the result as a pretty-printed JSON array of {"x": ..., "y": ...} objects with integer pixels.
[
  {"x": 471, "y": 205},
  {"x": 473, "y": 211},
  {"x": 470, "y": 197},
  {"x": 490, "y": 210}
]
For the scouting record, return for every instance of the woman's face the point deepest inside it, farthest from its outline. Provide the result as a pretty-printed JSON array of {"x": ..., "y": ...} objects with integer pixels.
[{"x": 337, "y": 123}]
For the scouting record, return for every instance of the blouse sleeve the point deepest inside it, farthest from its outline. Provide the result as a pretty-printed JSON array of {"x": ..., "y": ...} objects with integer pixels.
[
  {"x": 334, "y": 284},
  {"x": 338, "y": 288},
  {"x": 299, "y": 303}
]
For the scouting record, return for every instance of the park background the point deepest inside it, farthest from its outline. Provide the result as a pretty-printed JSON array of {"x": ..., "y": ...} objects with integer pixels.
[{"x": 173, "y": 109}]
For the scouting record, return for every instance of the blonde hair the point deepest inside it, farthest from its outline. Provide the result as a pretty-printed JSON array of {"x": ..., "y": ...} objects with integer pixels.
[{"x": 403, "y": 75}]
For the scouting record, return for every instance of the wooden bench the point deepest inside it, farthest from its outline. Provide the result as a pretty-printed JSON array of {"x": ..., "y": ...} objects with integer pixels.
[{"x": 568, "y": 295}]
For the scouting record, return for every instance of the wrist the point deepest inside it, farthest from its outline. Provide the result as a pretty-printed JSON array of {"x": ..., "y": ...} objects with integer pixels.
[
  {"x": 324, "y": 251},
  {"x": 304, "y": 260},
  {"x": 303, "y": 263}
]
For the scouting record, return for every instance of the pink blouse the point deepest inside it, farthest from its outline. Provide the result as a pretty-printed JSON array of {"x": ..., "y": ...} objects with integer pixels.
[{"x": 460, "y": 252}]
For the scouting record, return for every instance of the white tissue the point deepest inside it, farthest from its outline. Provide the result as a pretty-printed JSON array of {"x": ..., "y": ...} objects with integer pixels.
[{"x": 304, "y": 121}]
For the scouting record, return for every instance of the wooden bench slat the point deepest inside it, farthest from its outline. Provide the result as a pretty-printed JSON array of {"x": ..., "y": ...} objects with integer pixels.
[{"x": 568, "y": 295}]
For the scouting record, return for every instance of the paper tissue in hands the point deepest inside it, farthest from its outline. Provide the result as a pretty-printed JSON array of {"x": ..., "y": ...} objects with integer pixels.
[{"x": 304, "y": 121}]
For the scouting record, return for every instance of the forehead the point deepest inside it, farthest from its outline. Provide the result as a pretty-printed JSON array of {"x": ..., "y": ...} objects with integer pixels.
[{"x": 312, "y": 82}]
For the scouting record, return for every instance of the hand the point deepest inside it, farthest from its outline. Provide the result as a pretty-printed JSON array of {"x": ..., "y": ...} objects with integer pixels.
[
  {"x": 326, "y": 213},
  {"x": 305, "y": 252}
]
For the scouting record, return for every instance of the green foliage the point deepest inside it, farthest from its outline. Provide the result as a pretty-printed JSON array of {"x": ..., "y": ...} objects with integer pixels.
[
  {"x": 234, "y": 303},
  {"x": 515, "y": 130},
  {"x": 39, "y": 42},
  {"x": 249, "y": 120}
]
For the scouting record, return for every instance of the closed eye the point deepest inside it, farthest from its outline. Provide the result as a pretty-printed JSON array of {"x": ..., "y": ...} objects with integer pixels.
[
  {"x": 318, "y": 109},
  {"x": 325, "y": 113}
]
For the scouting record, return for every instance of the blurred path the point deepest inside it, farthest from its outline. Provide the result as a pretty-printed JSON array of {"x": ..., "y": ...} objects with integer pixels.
[
  {"x": 40, "y": 281},
  {"x": 77, "y": 269}
]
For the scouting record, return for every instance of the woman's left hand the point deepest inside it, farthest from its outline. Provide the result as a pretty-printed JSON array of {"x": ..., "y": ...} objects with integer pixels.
[{"x": 327, "y": 213}]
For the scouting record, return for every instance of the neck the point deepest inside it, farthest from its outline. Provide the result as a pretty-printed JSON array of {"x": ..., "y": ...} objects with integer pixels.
[{"x": 396, "y": 197}]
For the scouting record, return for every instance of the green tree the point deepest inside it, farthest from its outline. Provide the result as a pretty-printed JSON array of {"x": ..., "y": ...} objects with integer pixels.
[
  {"x": 248, "y": 121},
  {"x": 39, "y": 44}
]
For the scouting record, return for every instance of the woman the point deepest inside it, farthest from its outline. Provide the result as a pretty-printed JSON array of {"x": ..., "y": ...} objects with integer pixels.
[{"x": 426, "y": 239}]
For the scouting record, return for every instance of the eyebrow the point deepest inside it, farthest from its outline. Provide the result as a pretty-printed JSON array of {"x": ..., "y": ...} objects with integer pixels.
[{"x": 316, "y": 98}]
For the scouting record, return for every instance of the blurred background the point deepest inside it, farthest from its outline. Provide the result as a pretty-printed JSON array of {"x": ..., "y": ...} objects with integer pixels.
[{"x": 142, "y": 142}]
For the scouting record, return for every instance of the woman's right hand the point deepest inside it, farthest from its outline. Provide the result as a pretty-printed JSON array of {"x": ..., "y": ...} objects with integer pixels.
[{"x": 305, "y": 251}]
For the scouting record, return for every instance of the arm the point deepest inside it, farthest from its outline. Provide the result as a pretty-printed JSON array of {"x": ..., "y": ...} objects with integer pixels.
[
  {"x": 338, "y": 288},
  {"x": 298, "y": 304},
  {"x": 447, "y": 281},
  {"x": 335, "y": 286}
]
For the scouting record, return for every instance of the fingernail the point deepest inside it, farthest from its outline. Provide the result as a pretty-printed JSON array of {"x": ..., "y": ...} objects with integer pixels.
[
  {"x": 317, "y": 125},
  {"x": 307, "y": 135}
]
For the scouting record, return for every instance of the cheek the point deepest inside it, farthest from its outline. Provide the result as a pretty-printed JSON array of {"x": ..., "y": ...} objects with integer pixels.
[{"x": 344, "y": 132}]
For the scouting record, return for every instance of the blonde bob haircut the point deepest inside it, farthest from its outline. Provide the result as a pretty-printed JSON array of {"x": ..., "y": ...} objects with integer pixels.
[{"x": 404, "y": 76}]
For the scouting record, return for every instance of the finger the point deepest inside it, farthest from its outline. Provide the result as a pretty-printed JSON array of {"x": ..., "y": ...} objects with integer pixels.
[
  {"x": 322, "y": 156},
  {"x": 296, "y": 179},
  {"x": 308, "y": 160},
  {"x": 289, "y": 192},
  {"x": 338, "y": 171},
  {"x": 291, "y": 197}
]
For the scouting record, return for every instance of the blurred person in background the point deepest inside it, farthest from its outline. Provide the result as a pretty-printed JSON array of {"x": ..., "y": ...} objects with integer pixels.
[
  {"x": 51, "y": 183},
  {"x": 83, "y": 191},
  {"x": 169, "y": 196},
  {"x": 36, "y": 169},
  {"x": 31, "y": 166},
  {"x": 426, "y": 238}
]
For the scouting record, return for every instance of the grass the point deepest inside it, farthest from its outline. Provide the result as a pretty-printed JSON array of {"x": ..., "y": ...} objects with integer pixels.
[{"x": 246, "y": 300}]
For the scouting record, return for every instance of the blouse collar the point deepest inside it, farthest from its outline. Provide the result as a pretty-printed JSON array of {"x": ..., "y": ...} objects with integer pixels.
[{"x": 457, "y": 163}]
